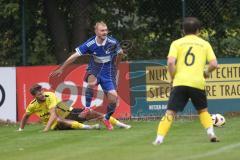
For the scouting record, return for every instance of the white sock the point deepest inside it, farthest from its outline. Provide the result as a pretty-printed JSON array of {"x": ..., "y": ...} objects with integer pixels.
[
  {"x": 87, "y": 126},
  {"x": 210, "y": 131},
  {"x": 120, "y": 124},
  {"x": 159, "y": 138}
]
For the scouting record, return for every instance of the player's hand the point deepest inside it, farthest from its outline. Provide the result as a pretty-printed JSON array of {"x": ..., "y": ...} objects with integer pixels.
[
  {"x": 57, "y": 72},
  {"x": 206, "y": 74},
  {"x": 85, "y": 112}
]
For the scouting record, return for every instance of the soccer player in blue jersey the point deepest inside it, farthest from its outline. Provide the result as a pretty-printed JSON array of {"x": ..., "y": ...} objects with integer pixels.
[{"x": 105, "y": 52}]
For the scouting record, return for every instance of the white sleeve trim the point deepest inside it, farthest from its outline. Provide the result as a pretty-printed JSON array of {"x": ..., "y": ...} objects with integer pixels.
[
  {"x": 78, "y": 51},
  {"x": 120, "y": 50}
]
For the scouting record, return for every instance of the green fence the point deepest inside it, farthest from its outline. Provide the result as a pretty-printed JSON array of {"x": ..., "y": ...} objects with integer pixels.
[{"x": 46, "y": 31}]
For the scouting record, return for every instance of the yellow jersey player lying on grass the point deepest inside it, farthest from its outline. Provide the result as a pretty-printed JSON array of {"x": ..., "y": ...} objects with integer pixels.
[{"x": 56, "y": 114}]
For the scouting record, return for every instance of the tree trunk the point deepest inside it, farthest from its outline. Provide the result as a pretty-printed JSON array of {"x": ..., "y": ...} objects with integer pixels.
[
  {"x": 57, "y": 28},
  {"x": 80, "y": 10}
]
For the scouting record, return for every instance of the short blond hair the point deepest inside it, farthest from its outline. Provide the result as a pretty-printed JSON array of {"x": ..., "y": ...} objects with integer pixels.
[{"x": 99, "y": 23}]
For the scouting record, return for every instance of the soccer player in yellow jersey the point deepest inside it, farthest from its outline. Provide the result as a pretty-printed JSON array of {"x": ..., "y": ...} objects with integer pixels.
[
  {"x": 186, "y": 61},
  {"x": 46, "y": 106},
  {"x": 57, "y": 115}
]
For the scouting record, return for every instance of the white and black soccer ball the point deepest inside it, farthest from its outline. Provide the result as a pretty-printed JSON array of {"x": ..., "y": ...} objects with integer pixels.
[{"x": 218, "y": 120}]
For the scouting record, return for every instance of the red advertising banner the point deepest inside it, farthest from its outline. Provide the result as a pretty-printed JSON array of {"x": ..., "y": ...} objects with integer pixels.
[{"x": 70, "y": 87}]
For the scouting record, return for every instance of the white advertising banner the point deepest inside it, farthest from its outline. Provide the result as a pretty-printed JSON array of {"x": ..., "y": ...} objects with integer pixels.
[{"x": 8, "y": 93}]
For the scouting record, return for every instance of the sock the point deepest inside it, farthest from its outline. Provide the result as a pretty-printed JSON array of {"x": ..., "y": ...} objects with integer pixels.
[
  {"x": 77, "y": 125},
  {"x": 113, "y": 121},
  {"x": 205, "y": 119},
  {"x": 165, "y": 125},
  {"x": 210, "y": 131},
  {"x": 159, "y": 139},
  {"x": 110, "y": 110},
  {"x": 88, "y": 96}
]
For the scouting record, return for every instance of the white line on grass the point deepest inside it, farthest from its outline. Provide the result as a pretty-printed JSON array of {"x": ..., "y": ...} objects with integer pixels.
[{"x": 211, "y": 153}]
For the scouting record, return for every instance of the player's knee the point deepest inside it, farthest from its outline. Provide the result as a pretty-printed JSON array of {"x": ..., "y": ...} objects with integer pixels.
[
  {"x": 92, "y": 81},
  {"x": 91, "y": 85},
  {"x": 112, "y": 100},
  {"x": 58, "y": 119}
]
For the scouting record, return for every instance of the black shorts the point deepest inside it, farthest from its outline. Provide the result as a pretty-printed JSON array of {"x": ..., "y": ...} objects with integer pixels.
[
  {"x": 180, "y": 95},
  {"x": 73, "y": 115}
]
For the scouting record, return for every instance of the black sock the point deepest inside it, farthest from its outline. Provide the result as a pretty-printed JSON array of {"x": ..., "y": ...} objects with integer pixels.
[
  {"x": 88, "y": 96},
  {"x": 110, "y": 110}
]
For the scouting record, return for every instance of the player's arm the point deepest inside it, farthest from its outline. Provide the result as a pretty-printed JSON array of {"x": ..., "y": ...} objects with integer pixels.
[
  {"x": 52, "y": 103},
  {"x": 213, "y": 64},
  {"x": 69, "y": 61},
  {"x": 171, "y": 61},
  {"x": 119, "y": 58},
  {"x": 24, "y": 121},
  {"x": 52, "y": 118},
  {"x": 171, "y": 66},
  {"x": 81, "y": 50},
  {"x": 212, "y": 61}
]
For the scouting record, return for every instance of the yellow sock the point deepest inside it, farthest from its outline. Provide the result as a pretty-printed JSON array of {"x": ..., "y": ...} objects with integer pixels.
[
  {"x": 113, "y": 121},
  {"x": 205, "y": 119},
  {"x": 76, "y": 125},
  {"x": 165, "y": 124}
]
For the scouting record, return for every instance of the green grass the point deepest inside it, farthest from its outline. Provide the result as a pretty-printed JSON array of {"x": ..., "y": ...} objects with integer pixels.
[{"x": 186, "y": 141}]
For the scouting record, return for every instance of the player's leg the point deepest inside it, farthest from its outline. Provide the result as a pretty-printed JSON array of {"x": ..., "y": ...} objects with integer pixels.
[
  {"x": 91, "y": 83},
  {"x": 75, "y": 124},
  {"x": 94, "y": 115},
  {"x": 115, "y": 122},
  {"x": 206, "y": 121},
  {"x": 199, "y": 100},
  {"x": 177, "y": 101},
  {"x": 108, "y": 84},
  {"x": 112, "y": 99},
  {"x": 164, "y": 126}
]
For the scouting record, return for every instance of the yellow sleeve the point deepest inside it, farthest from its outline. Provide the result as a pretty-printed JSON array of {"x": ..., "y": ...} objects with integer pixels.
[
  {"x": 210, "y": 53},
  {"x": 173, "y": 50},
  {"x": 52, "y": 100},
  {"x": 30, "y": 109}
]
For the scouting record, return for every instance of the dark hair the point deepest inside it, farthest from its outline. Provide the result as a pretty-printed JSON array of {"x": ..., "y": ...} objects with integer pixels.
[
  {"x": 191, "y": 25},
  {"x": 35, "y": 88}
]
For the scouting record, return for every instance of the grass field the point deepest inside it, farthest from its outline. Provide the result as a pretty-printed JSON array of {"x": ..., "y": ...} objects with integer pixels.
[{"x": 186, "y": 141}]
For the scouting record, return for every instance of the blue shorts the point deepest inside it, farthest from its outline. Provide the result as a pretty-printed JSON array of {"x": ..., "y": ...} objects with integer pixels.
[{"x": 106, "y": 77}]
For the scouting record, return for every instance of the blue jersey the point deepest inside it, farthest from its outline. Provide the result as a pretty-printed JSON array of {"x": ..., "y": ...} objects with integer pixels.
[
  {"x": 102, "y": 62},
  {"x": 100, "y": 53}
]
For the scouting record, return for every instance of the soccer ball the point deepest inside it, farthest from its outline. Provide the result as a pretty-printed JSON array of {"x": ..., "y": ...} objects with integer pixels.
[{"x": 218, "y": 120}]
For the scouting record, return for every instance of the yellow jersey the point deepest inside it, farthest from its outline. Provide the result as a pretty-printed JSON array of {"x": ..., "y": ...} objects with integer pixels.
[
  {"x": 191, "y": 53},
  {"x": 42, "y": 109}
]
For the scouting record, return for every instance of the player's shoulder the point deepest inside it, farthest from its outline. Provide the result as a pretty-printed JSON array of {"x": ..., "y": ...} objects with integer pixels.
[
  {"x": 49, "y": 94},
  {"x": 90, "y": 41},
  {"x": 111, "y": 39},
  {"x": 176, "y": 42},
  {"x": 202, "y": 40},
  {"x": 33, "y": 101}
]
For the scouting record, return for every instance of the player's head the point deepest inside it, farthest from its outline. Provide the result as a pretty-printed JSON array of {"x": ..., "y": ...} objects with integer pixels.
[
  {"x": 37, "y": 92},
  {"x": 191, "y": 25},
  {"x": 101, "y": 30}
]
